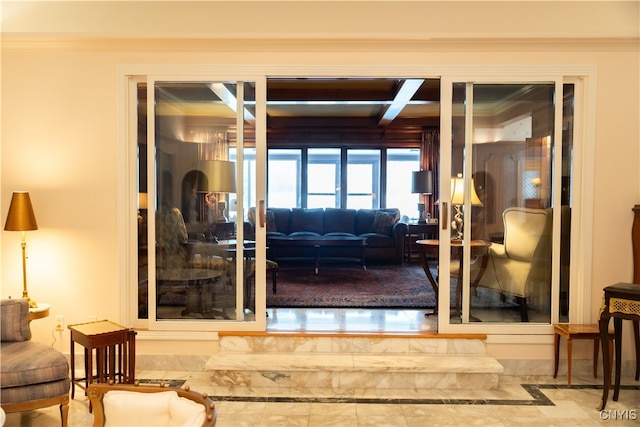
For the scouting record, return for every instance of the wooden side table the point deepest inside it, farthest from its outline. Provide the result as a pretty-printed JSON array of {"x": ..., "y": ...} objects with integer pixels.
[
  {"x": 415, "y": 232},
  {"x": 115, "y": 352},
  {"x": 572, "y": 332},
  {"x": 430, "y": 247},
  {"x": 621, "y": 301},
  {"x": 39, "y": 312}
]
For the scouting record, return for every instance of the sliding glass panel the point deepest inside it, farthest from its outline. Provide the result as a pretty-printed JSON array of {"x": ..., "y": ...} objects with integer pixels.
[
  {"x": 502, "y": 205},
  {"x": 200, "y": 157}
]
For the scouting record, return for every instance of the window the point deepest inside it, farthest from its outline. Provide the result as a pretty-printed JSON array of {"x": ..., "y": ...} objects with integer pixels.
[
  {"x": 323, "y": 178},
  {"x": 363, "y": 179},
  {"x": 401, "y": 162},
  {"x": 283, "y": 178}
]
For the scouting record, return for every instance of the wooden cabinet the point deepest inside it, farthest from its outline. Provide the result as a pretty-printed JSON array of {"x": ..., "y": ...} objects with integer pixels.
[{"x": 417, "y": 231}]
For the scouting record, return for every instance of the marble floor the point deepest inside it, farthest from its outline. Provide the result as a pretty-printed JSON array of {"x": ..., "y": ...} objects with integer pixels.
[{"x": 519, "y": 400}]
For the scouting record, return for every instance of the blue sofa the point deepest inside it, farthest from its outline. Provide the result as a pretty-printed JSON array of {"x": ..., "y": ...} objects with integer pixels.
[{"x": 381, "y": 227}]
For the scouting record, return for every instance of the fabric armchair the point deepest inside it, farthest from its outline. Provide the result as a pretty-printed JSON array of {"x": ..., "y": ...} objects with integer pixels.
[
  {"x": 32, "y": 375},
  {"x": 521, "y": 266}
]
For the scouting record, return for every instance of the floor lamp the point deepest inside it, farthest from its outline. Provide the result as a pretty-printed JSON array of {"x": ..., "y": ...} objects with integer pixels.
[{"x": 21, "y": 218}]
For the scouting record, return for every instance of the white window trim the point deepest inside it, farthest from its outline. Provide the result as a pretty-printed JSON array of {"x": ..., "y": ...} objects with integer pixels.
[{"x": 584, "y": 160}]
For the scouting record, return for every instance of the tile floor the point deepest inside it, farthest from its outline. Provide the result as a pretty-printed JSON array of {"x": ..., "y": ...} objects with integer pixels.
[{"x": 519, "y": 400}]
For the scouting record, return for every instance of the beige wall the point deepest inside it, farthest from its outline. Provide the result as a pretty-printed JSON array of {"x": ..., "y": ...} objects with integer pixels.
[{"x": 60, "y": 114}]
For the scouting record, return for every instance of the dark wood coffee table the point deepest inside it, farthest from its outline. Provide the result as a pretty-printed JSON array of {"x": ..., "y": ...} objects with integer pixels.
[{"x": 321, "y": 242}]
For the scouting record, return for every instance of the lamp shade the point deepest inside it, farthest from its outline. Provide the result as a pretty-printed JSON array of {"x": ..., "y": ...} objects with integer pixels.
[
  {"x": 422, "y": 182},
  {"x": 20, "y": 216},
  {"x": 457, "y": 192},
  {"x": 221, "y": 175}
]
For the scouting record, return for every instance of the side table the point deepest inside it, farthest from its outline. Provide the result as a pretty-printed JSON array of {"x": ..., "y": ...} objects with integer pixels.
[
  {"x": 40, "y": 311},
  {"x": 621, "y": 301},
  {"x": 572, "y": 332},
  {"x": 115, "y": 352},
  {"x": 415, "y": 232}
]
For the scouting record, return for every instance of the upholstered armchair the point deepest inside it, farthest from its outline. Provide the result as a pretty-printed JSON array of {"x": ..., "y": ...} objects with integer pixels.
[
  {"x": 32, "y": 375},
  {"x": 521, "y": 266},
  {"x": 124, "y": 405}
]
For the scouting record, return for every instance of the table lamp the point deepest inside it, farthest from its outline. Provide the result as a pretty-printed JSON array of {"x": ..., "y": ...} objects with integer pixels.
[
  {"x": 21, "y": 218},
  {"x": 422, "y": 183},
  {"x": 457, "y": 200},
  {"x": 221, "y": 176}
]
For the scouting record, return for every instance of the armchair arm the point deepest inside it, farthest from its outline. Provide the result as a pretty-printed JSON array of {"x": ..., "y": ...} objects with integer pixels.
[
  {"x": 97, "y": 391},
  {"x": 497, "y": 250}
]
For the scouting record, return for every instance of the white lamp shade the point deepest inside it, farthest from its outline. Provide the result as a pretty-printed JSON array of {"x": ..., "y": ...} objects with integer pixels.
[{"x": 457, "y": 192}]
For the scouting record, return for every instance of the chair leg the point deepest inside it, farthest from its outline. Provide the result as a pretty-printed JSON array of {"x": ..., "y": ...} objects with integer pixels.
[
  {"x": 524, "y": 316},
  {"x": 274, "y": 280}
]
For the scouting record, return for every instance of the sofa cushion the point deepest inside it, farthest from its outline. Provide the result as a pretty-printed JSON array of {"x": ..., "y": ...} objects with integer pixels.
[
  {"x": 282, "y": 218},
  {"x": 33, "y": 392},
  {"x": 364, "y": 220},
  {"x": 271, "y": 221},
  {"x": 382, "y": 223},
  {"x": 127, "y": 408},
  {"x": 28, "y": 362},
  {"x": 339, "y": 221},
  {"x": 14, "y": 324},
  {"x": 307, "y": 220},
  {"x": 185, "y": 412}
]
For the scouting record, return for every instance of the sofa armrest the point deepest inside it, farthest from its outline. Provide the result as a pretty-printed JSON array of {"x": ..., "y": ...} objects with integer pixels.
[{"x": 398, "y": 232}]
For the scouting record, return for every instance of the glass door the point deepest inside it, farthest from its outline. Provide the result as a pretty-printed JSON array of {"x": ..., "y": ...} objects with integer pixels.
[
  {"x": 503, "y": 207},
  {"x": 202, "y": 265}
]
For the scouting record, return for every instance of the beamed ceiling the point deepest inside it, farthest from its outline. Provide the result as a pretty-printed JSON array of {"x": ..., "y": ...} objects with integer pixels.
[{"x": 335, "y": 108}]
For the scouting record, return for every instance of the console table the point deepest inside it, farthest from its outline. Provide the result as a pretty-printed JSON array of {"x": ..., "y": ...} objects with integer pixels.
[{"x": 621, "y": 301}]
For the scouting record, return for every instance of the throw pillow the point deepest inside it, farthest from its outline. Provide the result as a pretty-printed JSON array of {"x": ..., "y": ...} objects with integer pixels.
[{"x": 382, "y": 223}]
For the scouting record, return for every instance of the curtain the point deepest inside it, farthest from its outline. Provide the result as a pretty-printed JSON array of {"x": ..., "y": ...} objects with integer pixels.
[{"x": 430, "y": 160}]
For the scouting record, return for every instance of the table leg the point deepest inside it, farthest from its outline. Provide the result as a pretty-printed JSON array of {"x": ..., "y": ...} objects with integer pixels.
[
  {"x": 432, "y": 281},
  {"x": 317, "y": 258},
  {"x": 636, "y": 334},
  {"x": 556, "y": 350},
  {"x": 603, "y": 325},
  {"x": 364, "y": 266},
  {"x": 596, "y": 350},
  {"x": 73, "y": 371},
  {"x": 569, "y": 359},
  {"x": 617, "y": 326}
]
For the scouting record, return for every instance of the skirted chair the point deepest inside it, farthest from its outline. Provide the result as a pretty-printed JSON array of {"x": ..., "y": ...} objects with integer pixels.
[
  {"x": 32, "y": 375},
  {"x": 521, "y": 266},
  {"x": 124, "y": 405}
]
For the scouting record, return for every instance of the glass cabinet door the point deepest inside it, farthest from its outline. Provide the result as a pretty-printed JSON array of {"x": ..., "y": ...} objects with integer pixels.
[
  {"x": 504, "y": 203},
  {"x": 197, "y": 252}
]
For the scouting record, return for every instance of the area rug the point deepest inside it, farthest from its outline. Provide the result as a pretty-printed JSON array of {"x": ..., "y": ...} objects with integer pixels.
[{"x": 344, "y": 286}]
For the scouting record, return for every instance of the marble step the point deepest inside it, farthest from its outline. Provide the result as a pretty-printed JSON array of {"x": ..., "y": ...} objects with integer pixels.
[
  {"x": 342, "y": 364},
  {"x": 412, "y": 345}
]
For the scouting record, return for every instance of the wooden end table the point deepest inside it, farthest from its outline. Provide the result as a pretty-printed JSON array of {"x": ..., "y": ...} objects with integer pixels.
[
  {"x": 430, "y": 247},
  {"x": 115, "y": 352},
  {"x": 572, "y": 332}
]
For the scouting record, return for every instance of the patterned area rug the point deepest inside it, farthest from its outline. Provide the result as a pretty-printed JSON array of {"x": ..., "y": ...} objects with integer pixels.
[{"x": 348, "y": 286}]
